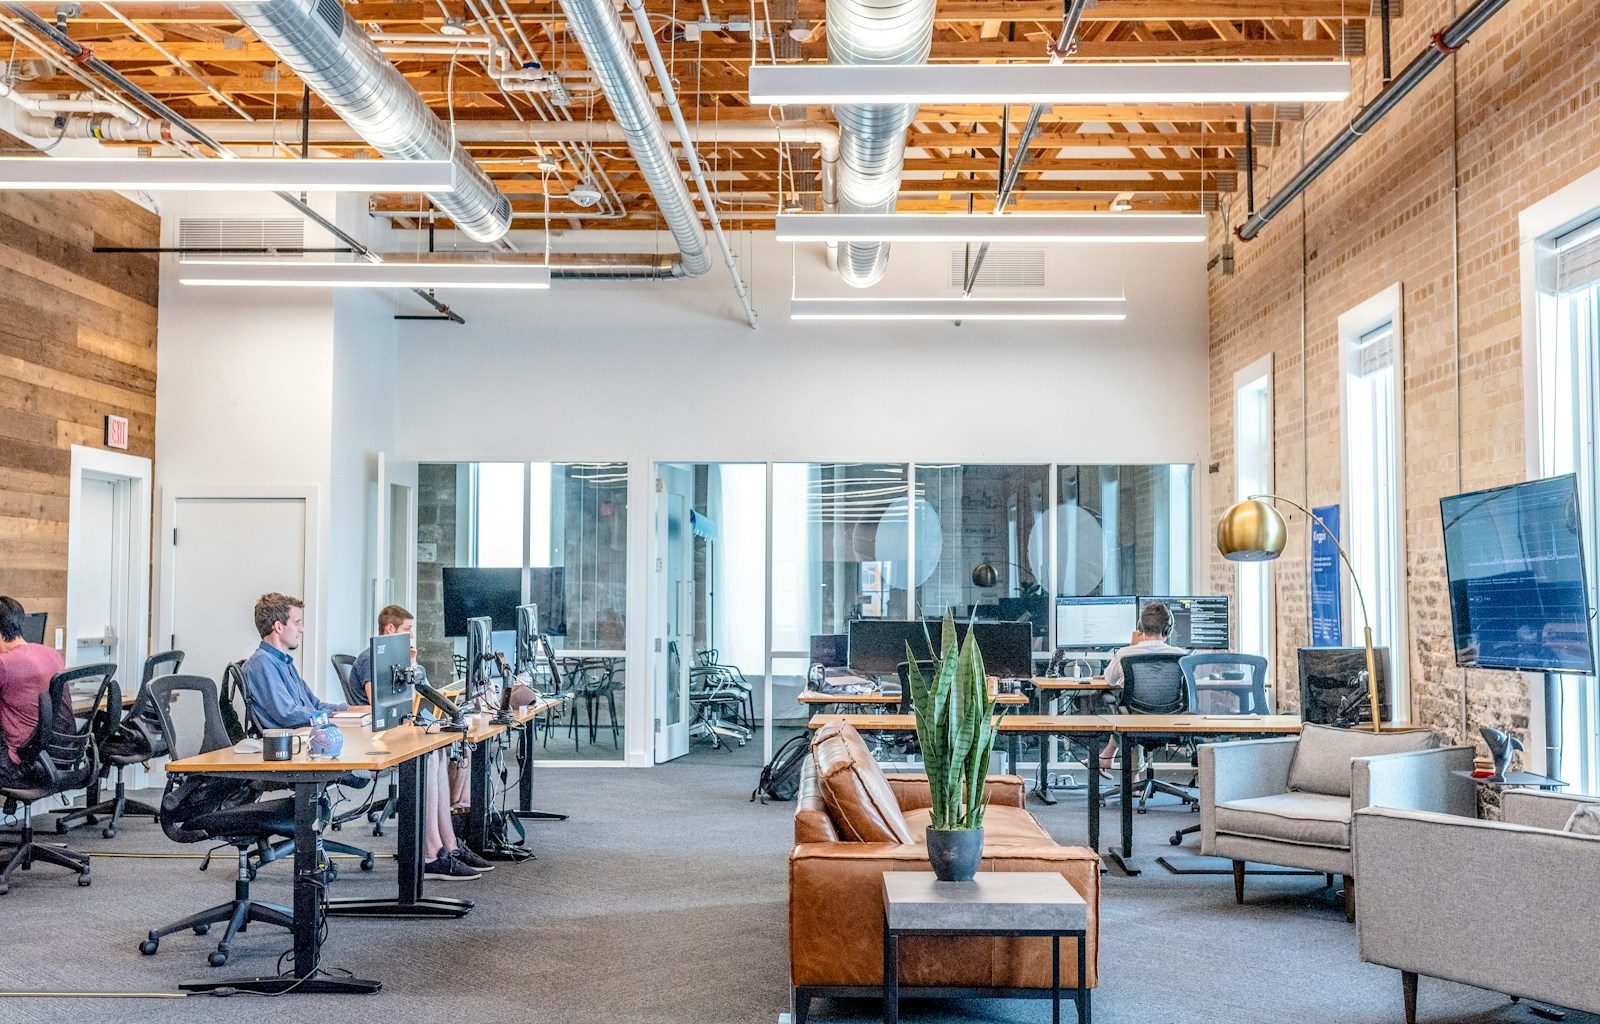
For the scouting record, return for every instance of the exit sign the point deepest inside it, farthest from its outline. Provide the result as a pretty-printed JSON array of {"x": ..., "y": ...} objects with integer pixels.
[{"x": 117, "y": 432}]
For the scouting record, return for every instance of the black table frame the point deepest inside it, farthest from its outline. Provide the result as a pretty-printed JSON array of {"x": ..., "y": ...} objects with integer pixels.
[{"x": 1081, "y": 993}]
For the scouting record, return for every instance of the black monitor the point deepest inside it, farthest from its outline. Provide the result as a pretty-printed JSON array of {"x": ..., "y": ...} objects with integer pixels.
[
  {"x": 527, "y": 649},
  {"x": 33, "y": 625},
  {"x": 1331, "y": 690},
  {"x": 1090, "y": 623},
  {"x": 830, "y": 650},
  {"x": 469, "y": 593},
  {"x": 480, "y": 652},
  {"x": 878, "y": 646},
  {"x": 1034, "y": 610},
  {"x": 1198, "y": 623},
  {"x": 547, "y": 588},
  {"x": 1007, "y": 647},
  {"x": 391, "y": 680}
]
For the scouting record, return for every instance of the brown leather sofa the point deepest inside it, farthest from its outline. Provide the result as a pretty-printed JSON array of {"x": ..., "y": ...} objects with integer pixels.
[{"x": 853, "y": 823}]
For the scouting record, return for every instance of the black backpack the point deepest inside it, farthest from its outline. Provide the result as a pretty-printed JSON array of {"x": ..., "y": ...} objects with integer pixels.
[{"x": 780, "y": 777}]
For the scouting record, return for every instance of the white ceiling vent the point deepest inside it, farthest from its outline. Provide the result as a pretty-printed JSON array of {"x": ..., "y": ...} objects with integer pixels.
[
  {"x": 241, "y": 233},
  {"x": 1002, "y": 268}
]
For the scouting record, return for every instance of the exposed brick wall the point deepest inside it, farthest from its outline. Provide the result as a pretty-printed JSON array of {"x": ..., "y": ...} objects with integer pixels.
[{"x": 1509, "y": 120}]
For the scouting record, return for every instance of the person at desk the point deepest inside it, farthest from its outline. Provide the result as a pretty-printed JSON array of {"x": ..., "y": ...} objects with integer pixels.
[
  {"x": 279, "y": 696},
  {"x": 1155, "y": 625},
  {"x": 25, "y": 672},
  {"x": 444, "y": 857}
]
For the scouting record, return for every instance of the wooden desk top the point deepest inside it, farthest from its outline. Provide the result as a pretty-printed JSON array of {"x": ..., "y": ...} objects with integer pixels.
[
  {"x": 1063, "y": 683},
  {"x": 1217, "y": 725},
  {"x": 873, "y": 723},
  {"x": 1056, "y": 723},
  {"x": 363, "y": 752},
  {"x": 1005, "y": 700},
  {"x": 81, "y": 702}
]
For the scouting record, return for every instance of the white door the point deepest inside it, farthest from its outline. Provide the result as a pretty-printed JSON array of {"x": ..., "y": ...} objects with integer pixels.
[
  {"x": 96, "y": 588},
  {"x": 226, "y": 553},
  {"x": 675, "y": 597},
  {"x": 394, "y": 534}
]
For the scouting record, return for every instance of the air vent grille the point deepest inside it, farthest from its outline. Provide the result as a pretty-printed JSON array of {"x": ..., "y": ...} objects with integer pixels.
[
  {"x": 241, "y": 233},
  {"x": 1002, "y": 268}
]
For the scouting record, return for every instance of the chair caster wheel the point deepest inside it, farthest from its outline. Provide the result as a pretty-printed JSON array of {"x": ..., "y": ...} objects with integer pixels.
[
  {"x": 367, "y": 863},
  {"x": 1176, "y": 840},
  {"x": 5, "y": 889},
  {"x": 217, "y": 959},
  {"x": 201, "y": 929},
  {"x": 109, "y": 833},
  {"x": 149, "y": 946},
  {"x": 61, "y": 826},
  {"x": 84, "y": 880}
]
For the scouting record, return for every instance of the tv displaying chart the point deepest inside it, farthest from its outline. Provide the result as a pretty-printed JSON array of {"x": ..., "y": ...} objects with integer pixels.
[
  {"x": 1198, "y": 623},
  {"x": 1519, "y": 595}
]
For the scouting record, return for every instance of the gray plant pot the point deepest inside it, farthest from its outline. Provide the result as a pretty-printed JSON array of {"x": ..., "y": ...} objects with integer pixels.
[{"x": 954, "y": 853}]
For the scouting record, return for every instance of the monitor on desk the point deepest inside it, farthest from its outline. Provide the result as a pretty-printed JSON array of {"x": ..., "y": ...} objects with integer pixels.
[
  {"x": 1331, "y": 689},
  {"x": 1198, "y": 623},
  {"x": 391, "y": 680},
  {"x": 1089, "y": 623},
  {"x": 33, "y": 627},
  {"x": 1034, "y": 610},
  {"x": 878, "y": 646},
  {"x": 480, "y": 653},
  {"x": 527, "y": 648},
  {"x": 830, "y": 650},
  {"x": 470, "y": 593},
  {"x": 1007, "y": 647}
]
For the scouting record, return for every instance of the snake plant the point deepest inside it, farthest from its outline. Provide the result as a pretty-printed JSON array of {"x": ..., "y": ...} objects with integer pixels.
[{"x": 955, "y": 728}]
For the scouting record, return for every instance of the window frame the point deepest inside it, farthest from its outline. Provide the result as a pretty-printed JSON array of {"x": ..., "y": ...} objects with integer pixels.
[{"x": 1257, "y": 377}]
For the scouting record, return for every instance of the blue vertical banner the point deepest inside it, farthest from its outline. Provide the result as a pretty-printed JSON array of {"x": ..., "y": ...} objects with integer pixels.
[{"x": 1327, "y": 609}]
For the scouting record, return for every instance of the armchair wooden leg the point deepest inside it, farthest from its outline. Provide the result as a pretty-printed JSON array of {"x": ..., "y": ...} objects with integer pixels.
[
  {"x": 1238, "y": 881},
  {"x": 1349, "y": 897},
  {"x": 1408, "y": 984},
  {"x": 1328, "y": 880}
]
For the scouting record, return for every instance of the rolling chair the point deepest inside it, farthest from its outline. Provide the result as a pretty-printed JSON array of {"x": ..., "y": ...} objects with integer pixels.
[
  {"x": 1153, "y": 684},
  {"x": 377, "y": 815},
  {"x": 717, "y": 707},
  {"x": 1245, "y": 682},
  {"x": 734, "y": 679},
  {"x": 342, "y": 664},
  {"x": 205, "y": 808},
  {"x": 60, "y": 758},
  {"x": 123, "y": 741}
]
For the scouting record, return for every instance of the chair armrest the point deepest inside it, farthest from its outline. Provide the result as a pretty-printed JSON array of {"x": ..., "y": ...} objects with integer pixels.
[
  {"x": 1238, "y": 771},
  {"x": 1503, "y": 907},
  {"x": 1541, "y": 810},
  {"x": 1415, "y": 780},
  {"x": 913, "y": 793}
]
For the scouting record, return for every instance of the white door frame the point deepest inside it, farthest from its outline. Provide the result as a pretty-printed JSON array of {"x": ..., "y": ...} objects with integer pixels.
[
  {"x": 316, "y": 596},
  {"x": 98, "y": 463}
]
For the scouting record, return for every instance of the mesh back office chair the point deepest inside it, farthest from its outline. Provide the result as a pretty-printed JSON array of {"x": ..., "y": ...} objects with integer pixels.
[
  {"x": 204, "y": 808},
  {"x": 61, "y": 757},
  {"x": 1223, "y": 682},
  {"x": 342, "y": 664},
  {"x": 124, "y": 740},
  {"x": 733, "y": 679},
  {"x": 1153, "y": 684},
  {"x": 717, "y": 702}
]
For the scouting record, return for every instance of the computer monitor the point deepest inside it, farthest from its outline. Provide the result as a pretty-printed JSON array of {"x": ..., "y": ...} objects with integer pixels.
[
  {"x": 469, "y": 593},
  {"x": 830, "y": 650},
  {"x": 527, "y": 649},
  {"x": 547, "y": 588},
  {"x": 1198, "y": 623},
  {"x": 480, "y": 652},
  {"x": 33, "y": 627},
  {"x": 1007, "y": 647},
  {"x": 878, "y": 646},
  {"x": 1331, "y": 691},
  {"x": 391, "y": 680},
  {"x": 1034, "y": 610},
  {"x": 1087, "y": 623}
]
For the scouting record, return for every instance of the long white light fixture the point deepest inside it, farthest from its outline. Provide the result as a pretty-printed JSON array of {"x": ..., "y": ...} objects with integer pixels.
[
  {"x": 991, "y": 227},
  {"x": 174, "y": 174},
  {"x": 418, "y": 274},
  {"x": 1207, "y": 82},
  {"x": 957, "y": 309}
]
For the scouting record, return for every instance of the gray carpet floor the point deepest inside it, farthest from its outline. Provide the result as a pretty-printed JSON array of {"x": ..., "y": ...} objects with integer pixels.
[{"x": 663, "y": 900}]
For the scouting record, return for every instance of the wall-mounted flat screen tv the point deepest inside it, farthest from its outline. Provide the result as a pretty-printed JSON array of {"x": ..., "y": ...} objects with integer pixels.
[{"x": 1519, "y": 593}]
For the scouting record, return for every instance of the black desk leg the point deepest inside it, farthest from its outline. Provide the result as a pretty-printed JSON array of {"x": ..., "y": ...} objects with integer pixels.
[
  {"x": 1092, "y": 809},
  {"x": 525, "y": 810},
  {"x": 1124, "y": 854},
  {"x": 308, "y": 886},
  {"x": 477, "y": 837},
  {"x": 1041, "y": 788},
  {"x": 408, "y": 900},
  {"x": 1082, "y": 995},
  {"x": 891, "y": 977},
  {"x": 1055, "y": 979}
]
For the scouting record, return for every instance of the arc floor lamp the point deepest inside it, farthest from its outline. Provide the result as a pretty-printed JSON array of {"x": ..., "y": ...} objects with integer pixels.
[{"x": 1254, "y": 531}]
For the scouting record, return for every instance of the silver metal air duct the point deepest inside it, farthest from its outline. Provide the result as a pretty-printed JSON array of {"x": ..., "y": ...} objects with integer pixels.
[
  {"x": 872, "y": 137},
  {"x": 336, "y": 59},
  {"x": 598, "y": 29}
]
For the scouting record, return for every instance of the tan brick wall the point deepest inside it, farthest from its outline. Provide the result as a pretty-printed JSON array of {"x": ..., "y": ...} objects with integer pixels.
[{"x": 1509, "y": 120}]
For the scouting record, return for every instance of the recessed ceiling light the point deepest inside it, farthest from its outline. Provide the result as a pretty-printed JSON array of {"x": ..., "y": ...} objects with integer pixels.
[
  {"x": 867, "y": 308},
  {"x": 991, "y": 227},
  {"x": 181, "y": 174},
  {"x": 434, "y": 273}
]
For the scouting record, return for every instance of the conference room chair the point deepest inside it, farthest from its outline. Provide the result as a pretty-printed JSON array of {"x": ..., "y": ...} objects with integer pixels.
[
  {"x": 1153, "y": 684},
  {"x": 734, "y": 679},
  {"x": 60, "y": 758},
  {"x": 1236, "y": 682},
  {"x": 593, "y": 680},
  {"x": 717, "y": 707},
  {"x": 200, "y": 808},
  {"x": 124, "y": 739}
]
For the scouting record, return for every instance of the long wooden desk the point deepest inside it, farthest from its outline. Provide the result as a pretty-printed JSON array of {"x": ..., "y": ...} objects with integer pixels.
[{"x": 814, "y": 699}]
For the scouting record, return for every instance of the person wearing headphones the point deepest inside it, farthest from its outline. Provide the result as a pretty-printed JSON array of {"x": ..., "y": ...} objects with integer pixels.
[{"x": 1155, "y": 625}]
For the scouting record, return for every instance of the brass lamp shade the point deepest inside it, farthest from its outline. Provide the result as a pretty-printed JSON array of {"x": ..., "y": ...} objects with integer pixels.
[
  {"x": 985, "y": 575},
  {"x": 1251, "y": 531}
]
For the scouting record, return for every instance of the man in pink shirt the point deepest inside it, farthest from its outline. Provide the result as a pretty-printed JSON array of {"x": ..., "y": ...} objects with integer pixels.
[{"x": 25, "y": 672}]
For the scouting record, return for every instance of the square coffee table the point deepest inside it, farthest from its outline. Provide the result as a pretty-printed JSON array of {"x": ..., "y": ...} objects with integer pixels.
[{"x": 1012, "y": 903}]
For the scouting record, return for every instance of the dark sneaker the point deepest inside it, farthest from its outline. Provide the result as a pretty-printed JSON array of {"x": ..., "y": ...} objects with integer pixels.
[
  {"x": 472, "y": 860},
  {"x": 448, "y": 869}
]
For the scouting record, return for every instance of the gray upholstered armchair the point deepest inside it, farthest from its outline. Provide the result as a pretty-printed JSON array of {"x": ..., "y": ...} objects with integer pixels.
[
  {"x": 1290, "y": 801},
  {"x": 1503, "y": 905}
]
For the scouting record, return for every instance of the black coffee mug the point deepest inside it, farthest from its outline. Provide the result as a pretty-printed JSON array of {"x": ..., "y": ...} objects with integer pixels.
[{"x": 281, "y": 745}]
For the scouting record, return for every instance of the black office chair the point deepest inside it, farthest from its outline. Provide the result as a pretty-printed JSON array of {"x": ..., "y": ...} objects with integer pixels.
[
  {"x": 202, "y": 808},
  {"x": 1152, "y": 684},
  {"x": 60, "y": 758},
  {"x": 124, "y": 740},
  {"x": 342, "y": 664}
]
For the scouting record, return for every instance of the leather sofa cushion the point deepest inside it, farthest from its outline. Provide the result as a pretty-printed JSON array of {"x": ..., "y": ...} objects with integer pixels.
[
  {"x": 1323, "y": 755},
  {"x": 858, "y": 797},
  {"x": 1002, "y": 827},
  {"x": 1306, "y": 819}
]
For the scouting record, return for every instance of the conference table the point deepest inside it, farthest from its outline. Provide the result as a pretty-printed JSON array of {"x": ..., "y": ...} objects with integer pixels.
[{"x": 1094, "y": 729}]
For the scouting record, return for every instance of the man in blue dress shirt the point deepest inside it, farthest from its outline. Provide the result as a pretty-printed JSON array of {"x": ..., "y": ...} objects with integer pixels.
[{"x": 279, "y": 696}]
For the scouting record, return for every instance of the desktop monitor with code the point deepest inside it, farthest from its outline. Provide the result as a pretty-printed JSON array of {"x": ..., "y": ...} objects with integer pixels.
[
  {"x": 1198, "y": 623},
  {"x": 1091, "y": 623},
  {"x": 391, "y": 680}
]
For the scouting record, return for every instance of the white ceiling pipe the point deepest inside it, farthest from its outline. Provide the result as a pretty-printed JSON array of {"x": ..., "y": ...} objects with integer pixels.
[{"x": 41, "y": 105}]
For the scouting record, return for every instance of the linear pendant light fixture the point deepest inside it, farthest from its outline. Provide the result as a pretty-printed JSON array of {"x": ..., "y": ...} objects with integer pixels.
[
  {"x": 991, "y": 227},
  {"x": 151, "y": 174},
  {"x": 1200, "y": 82},
  {"x": 957, "y": 309},
  {"x": 398, "y": 274}
]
